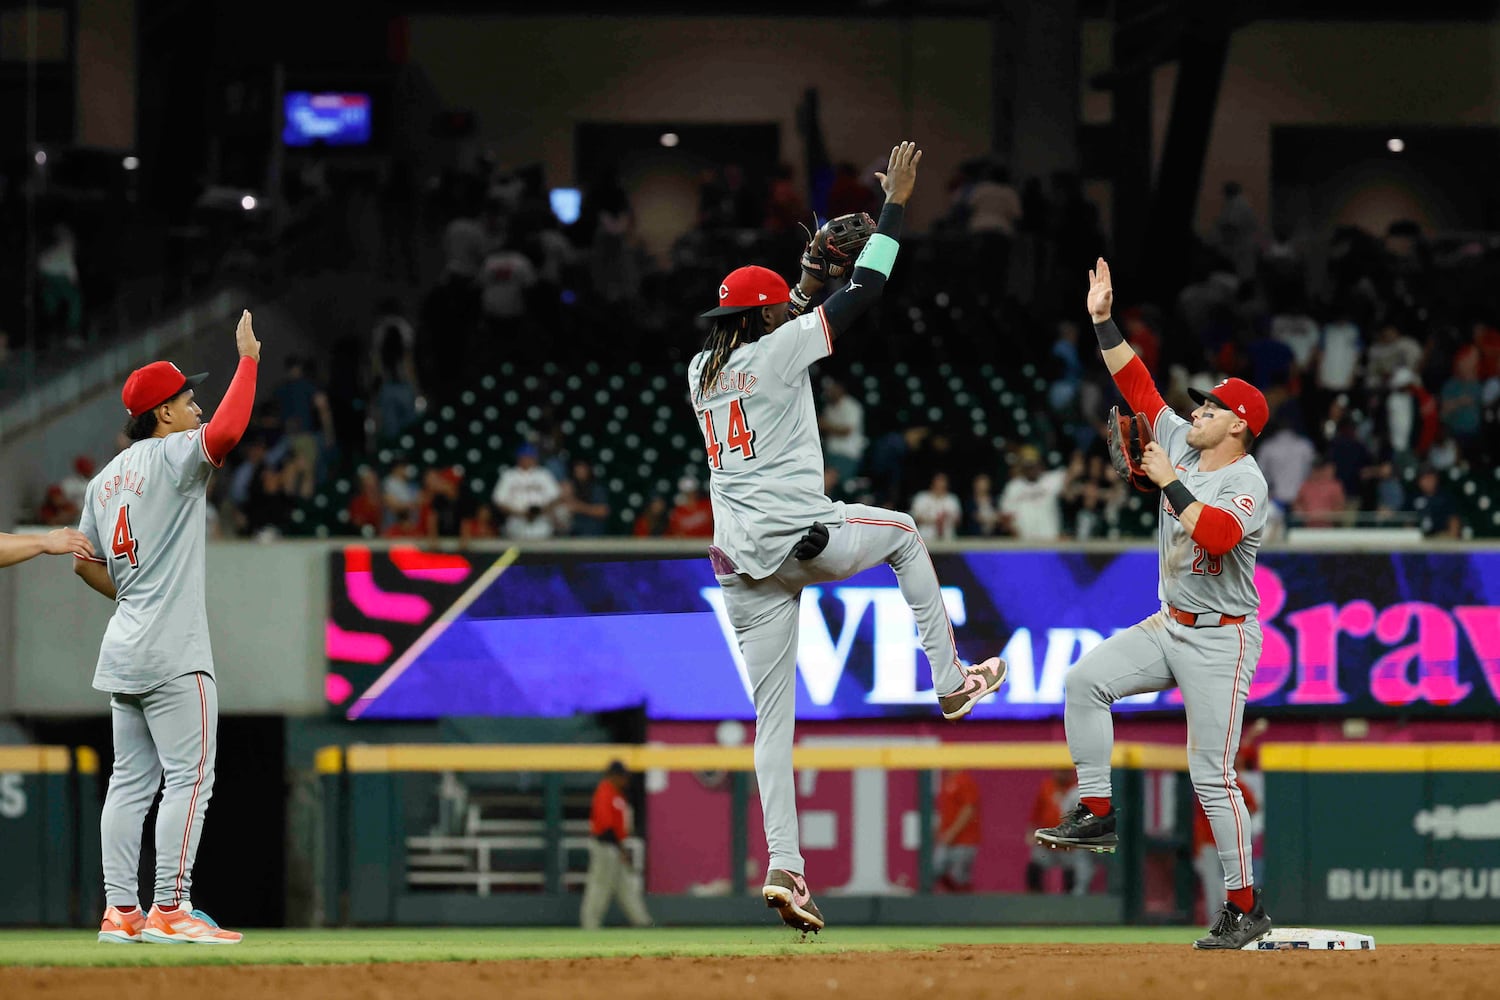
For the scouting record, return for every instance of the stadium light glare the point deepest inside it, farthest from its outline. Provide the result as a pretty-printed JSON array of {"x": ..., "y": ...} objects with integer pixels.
[
  {"x": 670, "y": 139},
  {"x": 1395, "y": 145}
]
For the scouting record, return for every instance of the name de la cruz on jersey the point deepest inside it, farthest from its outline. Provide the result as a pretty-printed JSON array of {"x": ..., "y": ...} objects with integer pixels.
[{"x": 730, "y": 380}]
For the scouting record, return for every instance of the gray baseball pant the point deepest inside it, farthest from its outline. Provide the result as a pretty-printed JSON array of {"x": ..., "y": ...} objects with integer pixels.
[
  {"x": 1212, "y": 666},
  {"x": 765, "y": 616},
  {"x": 169, "y": 732}
]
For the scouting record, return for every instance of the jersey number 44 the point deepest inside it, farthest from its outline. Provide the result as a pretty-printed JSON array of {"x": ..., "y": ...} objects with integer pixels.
[{"x": 740, "y": 437}]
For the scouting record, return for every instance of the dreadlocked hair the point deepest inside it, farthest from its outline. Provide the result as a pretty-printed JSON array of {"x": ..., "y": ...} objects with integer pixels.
[{"x": 728, "y": 332}]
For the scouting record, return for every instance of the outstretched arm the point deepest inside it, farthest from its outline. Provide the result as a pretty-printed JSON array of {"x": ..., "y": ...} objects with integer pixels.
[
  {"x": 1129, "y": 373},
  {"x": 875, "y": 261},
  {"x": 231, "y": 418},
  {"x": 19, "y": 548}
]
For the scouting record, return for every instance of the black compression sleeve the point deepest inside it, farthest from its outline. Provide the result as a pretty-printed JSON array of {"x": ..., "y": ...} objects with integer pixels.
[
  {"x": 865, "y": 284},
  {"x": 1178, "y": 495},
  {"x": 1109, "y": 335}
]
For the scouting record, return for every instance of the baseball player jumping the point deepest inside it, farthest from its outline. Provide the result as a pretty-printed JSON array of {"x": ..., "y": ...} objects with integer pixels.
[
  {"x": 775, "y": 531},
  {"x": 146, "y": 512},
  {"x": 1206, "y": 639}
]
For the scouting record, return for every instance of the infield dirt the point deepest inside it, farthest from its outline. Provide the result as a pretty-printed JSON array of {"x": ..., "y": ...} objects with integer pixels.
[{"x": 1045, "y": 972}]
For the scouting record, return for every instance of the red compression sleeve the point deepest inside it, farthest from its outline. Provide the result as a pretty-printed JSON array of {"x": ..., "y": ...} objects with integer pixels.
[
  {"x": 1135, "y": 384},
  {"x": 233, "y": 415},
  {"x": 1218, "y": 531}
]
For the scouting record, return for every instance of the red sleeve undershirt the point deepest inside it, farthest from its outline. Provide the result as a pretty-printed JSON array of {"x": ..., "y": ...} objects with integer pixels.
[
  {"x": 223, "y": 432},
  {"x": 1135, "y": 384},
  {"x": 1218, "y": 531}
]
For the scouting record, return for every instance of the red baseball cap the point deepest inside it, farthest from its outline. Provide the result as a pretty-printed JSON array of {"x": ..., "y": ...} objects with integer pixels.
[
  {"x": 749, "y": 288},
  {"x": 150, "y": 386},
  {"x": 1240, "y": 398}
]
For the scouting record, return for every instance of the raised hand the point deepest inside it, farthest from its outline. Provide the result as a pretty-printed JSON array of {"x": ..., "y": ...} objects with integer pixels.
[
  {"x": 244, "y": 338},
  {"x": 901, "y": 174},
  {"x": 1101, "y": 292}
]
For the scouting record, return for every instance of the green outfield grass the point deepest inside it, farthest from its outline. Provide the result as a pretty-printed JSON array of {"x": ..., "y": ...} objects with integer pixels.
[{"x": 319, "y": 947}]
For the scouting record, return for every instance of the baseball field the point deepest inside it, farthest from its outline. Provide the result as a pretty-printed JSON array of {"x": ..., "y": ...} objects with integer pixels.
[{"x": 867, "y": 963}]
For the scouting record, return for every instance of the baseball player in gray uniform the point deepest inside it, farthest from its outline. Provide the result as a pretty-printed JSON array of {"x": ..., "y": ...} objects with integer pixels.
[
  {"x": 146, "y": 513},
  {"x": 775, "y": 531},
  {"x": 1205, "y": 640}
]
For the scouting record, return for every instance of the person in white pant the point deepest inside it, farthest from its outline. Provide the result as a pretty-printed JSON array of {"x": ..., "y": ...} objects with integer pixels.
[{"x": 611, "y": 875}]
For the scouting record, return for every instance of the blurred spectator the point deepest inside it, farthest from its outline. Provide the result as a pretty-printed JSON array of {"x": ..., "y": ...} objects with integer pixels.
[
  {"x": 1437, "y": 514},
  {"x": 1029, "y": 503},
  {"x": 61, "y": 297},
  {"x": 76, "y": 483},
  {"x": 57, "y": 511},
  {"x": 1286, "y": 457},
  {"x": 983, "y": 516},
  {"x": 958, "y": 834},
  {"x": 1320, "y": 501},
  {"x": 842, "y": 424},
  {"x": 1057, "y": 794},
  {"x": 367, "y": 509},
  {"x": 585, "y": 503},
  {"x": 1068, "y": 370},
  {"x": 993, "y": 204},
  {"x": 524, "y": 495},
  {"x": 693, "y": 514},
  {"x": 1299, "y": 332},
  {"x": 1413, "y": 417},
  {"x": 396, "y": 397},
  {"x": 1387, "y": 497},
  {"x": 937, "y": 511},
  {"x": 466, "y": 242},
  {"x": 439, "y": 516},
  {"x": 1461, "y": 395},
  {"x": 304, "y": 412},
  {"x": 1237, "y": 231},
  {"x": 504, "y": 280},
  {"x": 399, "y": 492},
  {"x": 393, "y": 343},
  {"x": 1348, "y": 454},
  {"x": 1338, "y": 356},
  {"x": 833, "y": 484},
  {"x": 407, "y": 524},
  {"x": 1090, "y": 495},
  {"x": 652, "y": 521},
  {"x": 1391, "y": 352},
  {"x": 1444, "y": 453},
  {"x": 480, "y": 523}
]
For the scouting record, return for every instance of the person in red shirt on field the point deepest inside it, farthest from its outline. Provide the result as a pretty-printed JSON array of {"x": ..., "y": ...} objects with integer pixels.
[
  {"x": 693, "y": 515},
  {"x": 958, "y": 831},
  {"x": 1057, "y": 794},
  {"x": 611, "y": 874}
]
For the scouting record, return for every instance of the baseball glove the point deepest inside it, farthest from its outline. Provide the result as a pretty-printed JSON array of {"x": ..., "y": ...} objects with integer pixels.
[
  {"x": 832, "y": 249},
  {"x": 1128, "y": 437}
]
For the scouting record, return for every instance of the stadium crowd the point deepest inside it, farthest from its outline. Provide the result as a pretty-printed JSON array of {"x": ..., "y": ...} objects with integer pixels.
[{"x": 1379, "y": 356}]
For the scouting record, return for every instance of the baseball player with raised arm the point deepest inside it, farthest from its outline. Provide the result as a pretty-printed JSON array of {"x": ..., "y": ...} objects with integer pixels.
[
  {"x": 1206, "y": 639},
  {"x": 146, "y": 513},
  {"x": 775, "y": 531}
]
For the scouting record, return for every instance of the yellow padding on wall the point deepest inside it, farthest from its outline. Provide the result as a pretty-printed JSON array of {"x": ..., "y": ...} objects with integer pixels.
[
  {"x": 593, "y": 757},
  {"x": 86, "y": 759},
  {"x": 1380, "y": 757},
  {"x": 34, "y": 760}
]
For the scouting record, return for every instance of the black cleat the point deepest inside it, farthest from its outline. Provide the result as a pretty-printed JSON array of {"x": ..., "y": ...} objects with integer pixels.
[
  {"x": 787, "y": 891},
  {"x": 1080, "y": 829},
  {"x": 1235, "y": 928}
]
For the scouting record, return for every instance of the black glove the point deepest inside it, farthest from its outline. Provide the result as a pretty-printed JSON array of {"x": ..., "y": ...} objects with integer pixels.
[{"x": 810, "y": 545}]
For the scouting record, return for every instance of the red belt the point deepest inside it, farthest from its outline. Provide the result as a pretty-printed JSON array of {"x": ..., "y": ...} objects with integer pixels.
[{"x": 1191, "y": 620}]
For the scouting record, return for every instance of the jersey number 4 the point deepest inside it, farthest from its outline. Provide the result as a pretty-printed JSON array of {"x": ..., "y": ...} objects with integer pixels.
[
  {"x": 123, "y": 543},
  {"x": 741, "y": 438},
  {"x": 1205, "y": 564}
]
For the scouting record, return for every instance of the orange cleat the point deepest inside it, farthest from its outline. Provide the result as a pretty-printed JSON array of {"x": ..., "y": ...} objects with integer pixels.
[
  {"x": 118, "y": 927},
  {"x": 180, "y": 926}
]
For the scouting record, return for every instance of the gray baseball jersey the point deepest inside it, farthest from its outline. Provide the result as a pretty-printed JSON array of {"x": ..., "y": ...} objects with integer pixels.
[
  {"x": 146, "y": 515},
  {"x": 765, "y": 457},
  {"x": 1191, "y": 579}
]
